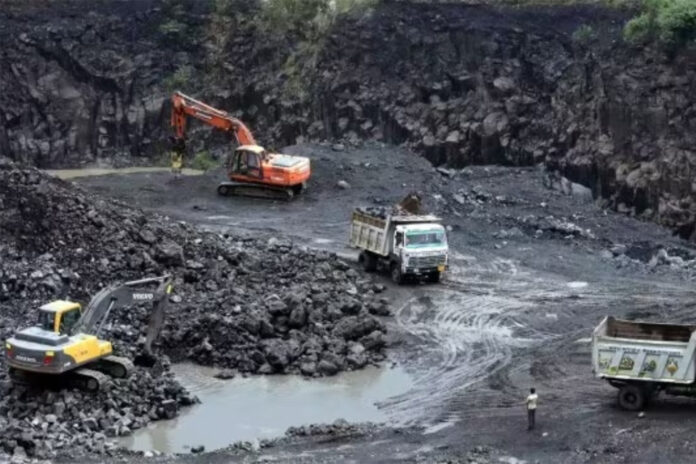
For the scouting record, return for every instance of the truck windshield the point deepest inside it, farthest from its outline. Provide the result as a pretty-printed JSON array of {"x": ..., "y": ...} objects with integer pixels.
[
  {"x": 425, "y": 238},
  {"x": 46, "y": 320}
]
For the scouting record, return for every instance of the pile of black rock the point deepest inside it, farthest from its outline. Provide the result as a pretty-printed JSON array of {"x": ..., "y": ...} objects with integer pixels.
[{"x": 250, "y": 305}]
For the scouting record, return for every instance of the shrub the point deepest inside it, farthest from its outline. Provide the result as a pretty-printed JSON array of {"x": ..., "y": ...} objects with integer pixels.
[
  {"x": 669, "y": 22},
  {"x": 347, "y": 6},
  {"x": 584, "y": 34},
  {"x": 204, "y": 161},
  {"x": 309, "y": 18},
  {"x": 224, "y": 7},
  {"x": 180, "y": 79},
  {"x": 173, "y": 29},
  {"x": 309, "y": 21},
  {"x": 296, "y": 15}
]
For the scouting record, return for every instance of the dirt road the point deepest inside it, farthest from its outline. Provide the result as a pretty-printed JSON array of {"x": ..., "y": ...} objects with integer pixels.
[{"x": 533, "y": 270}]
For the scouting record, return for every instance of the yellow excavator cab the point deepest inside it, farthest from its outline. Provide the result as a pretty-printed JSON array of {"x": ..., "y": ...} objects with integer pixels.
[{"x": 59, "y": 316}]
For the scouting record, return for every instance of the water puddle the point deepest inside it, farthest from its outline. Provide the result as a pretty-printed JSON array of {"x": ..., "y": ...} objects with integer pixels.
[
  {"x": 89, "y": 172},
  {"x": 439, "y": 426},
  {"x": 322, "y": 241},
  {"x": 579, "y": 284},
  {"x": 265, "y": 406},
  {"x": 511, "y": 460}
]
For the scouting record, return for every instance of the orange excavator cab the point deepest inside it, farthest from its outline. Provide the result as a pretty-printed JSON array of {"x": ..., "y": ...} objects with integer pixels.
[{"x": 251, "y": 169}]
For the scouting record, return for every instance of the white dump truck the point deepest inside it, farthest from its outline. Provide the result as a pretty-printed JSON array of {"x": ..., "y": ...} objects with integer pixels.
[
  {"x": 641, "y": 359},
  {"x": 400, "y": 242}
]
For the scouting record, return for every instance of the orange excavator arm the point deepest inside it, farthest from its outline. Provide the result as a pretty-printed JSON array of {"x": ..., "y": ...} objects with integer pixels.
[{"x": 184, "y": 106}]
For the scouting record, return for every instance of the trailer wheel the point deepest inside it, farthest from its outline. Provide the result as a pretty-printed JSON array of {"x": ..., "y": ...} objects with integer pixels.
[
  {"x": 396, "y": 274},
  {"x": 632, "y": 397}
]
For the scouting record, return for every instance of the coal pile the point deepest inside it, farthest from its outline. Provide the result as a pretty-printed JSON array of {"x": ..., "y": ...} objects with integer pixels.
[
  {"x": 411, "y": 204},
  {"x": 380, "y": 212},
  {"x": 245, "y": 304},
  {"x": 339, "y": 428},
  {"x": 44, "y": 423}
]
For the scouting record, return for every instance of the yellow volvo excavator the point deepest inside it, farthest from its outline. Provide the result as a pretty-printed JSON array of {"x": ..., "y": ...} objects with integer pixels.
[{"x": 65, "y": 343}]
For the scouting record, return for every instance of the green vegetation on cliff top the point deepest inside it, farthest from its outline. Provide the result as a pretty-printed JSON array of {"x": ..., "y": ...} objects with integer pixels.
[{"x": 669, "y": 22}]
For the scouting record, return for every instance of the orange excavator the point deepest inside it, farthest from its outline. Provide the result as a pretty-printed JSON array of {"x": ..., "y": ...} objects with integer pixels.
[{"x": 252, "y": 171}]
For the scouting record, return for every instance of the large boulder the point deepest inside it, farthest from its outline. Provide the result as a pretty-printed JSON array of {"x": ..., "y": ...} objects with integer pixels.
[
  {"x": 353, "y": 327},
  {"x": 170, "y": 253},
  {"x": 277, "y": 354}
]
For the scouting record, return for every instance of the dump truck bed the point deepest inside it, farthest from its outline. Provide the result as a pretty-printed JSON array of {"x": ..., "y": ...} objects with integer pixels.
[{"x": 627, "y": 350}]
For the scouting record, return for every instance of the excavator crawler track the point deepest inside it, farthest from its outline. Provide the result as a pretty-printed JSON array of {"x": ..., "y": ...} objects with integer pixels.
[
  {"x": 256, "y": 191},
  {"x": 87, "y": 379},
  {"x": 83, "y": 379},
  {"x": 19, "y": 377},
  {"x": 114, "y": 366}
]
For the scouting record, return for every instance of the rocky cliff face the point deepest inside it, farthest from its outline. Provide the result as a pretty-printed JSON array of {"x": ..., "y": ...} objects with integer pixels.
[
  {"x": 459, "y": 84},
  {"x": 469, "y": 85},
  {"x": 83, "y": 82}
]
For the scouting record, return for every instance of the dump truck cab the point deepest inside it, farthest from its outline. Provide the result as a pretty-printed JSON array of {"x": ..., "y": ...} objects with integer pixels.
[
  {"x": 59, "y": 316},
  {"x": 421, "y": 248}
]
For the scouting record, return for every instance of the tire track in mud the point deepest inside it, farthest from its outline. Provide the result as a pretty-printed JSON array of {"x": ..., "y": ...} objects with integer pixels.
[
  {"x": 467, "y": 328},
  {"x": 465, "y": 347},
  {"x": 471, "y": 327}
]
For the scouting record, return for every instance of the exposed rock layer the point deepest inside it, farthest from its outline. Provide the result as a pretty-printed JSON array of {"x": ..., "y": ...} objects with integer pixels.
[{"x": 459, "y": 84}]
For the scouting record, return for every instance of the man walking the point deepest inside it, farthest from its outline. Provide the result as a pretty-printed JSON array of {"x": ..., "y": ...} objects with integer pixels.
[{"x": 531, "y": 403}]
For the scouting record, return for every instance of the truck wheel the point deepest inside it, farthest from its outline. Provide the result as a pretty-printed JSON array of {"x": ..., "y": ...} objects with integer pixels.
[
  {"x": 396, "y": 275},
  {"x": 631, "y": 397},
  {"x": 434, "y": 277},
  {"x": 369, "y": 262}
]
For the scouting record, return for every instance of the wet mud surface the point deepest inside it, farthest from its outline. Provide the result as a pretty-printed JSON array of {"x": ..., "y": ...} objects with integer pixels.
[{"x": 533, "y": 270}]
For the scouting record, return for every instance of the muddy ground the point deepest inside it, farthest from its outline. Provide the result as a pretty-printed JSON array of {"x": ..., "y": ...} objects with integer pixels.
[{"x": 535, "y": 266}]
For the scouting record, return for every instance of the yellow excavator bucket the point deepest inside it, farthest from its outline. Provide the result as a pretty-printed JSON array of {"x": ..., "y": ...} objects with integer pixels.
[{"x": 177, "y": 161}]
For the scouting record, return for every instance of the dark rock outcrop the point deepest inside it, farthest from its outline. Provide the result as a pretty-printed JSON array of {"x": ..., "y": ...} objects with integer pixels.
[{"x": 459, "y": 84}]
